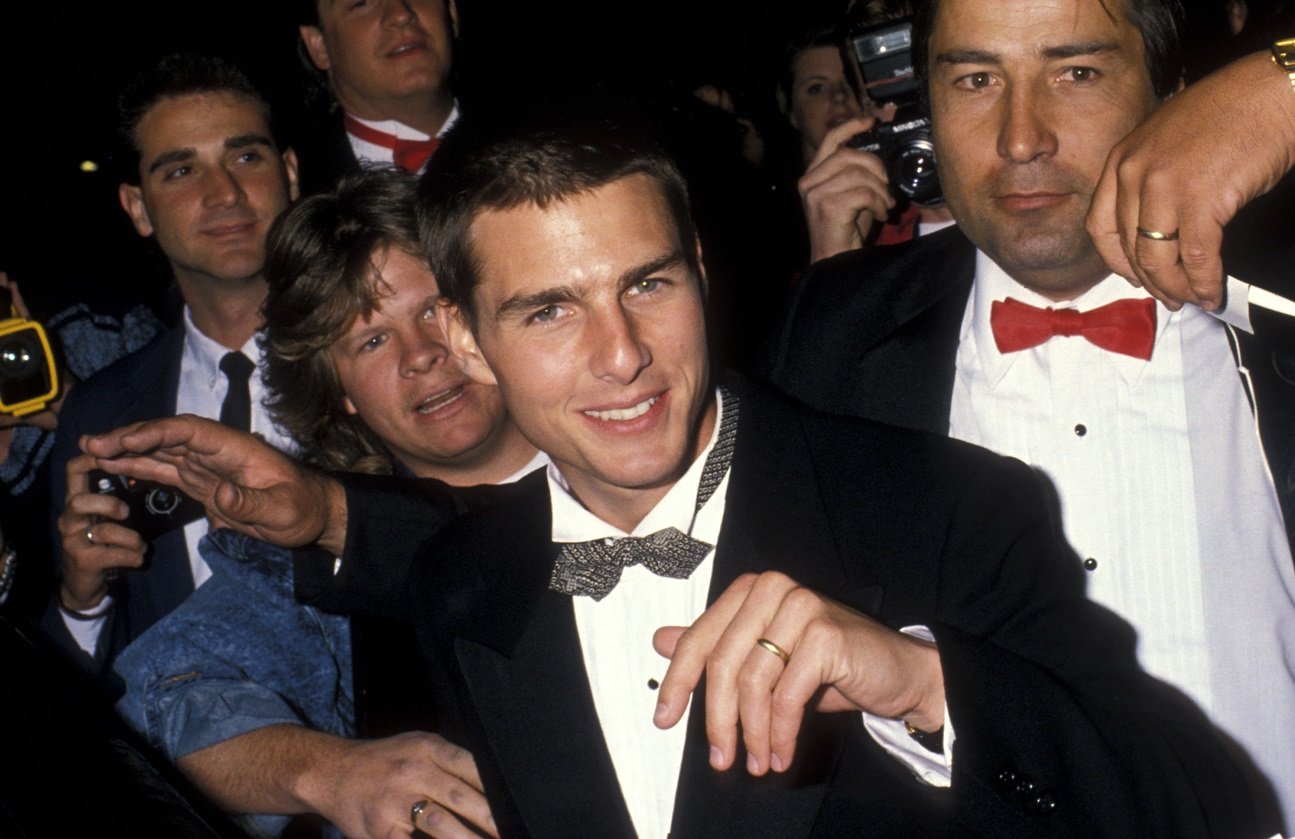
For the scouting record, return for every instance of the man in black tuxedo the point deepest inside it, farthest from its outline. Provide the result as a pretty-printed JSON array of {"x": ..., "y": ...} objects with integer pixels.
[
  {"x": 1011, "y": 332},
  {"x": 384, "y": 72},
  {"x": 573, "y": 270},
  {"x": 204, "y": 177}
]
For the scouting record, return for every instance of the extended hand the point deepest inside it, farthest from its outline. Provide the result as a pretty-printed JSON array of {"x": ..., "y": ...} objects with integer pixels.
[
  {"x": 865, "y": 667},
  {"x": 371, "y": 786},
  {"x": 243, "y": 482},
  {"x": 1187, "y": 169}
]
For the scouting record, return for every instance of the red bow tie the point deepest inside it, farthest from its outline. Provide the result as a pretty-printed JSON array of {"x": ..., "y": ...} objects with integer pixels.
[
  {"x": 409, "y": 155},
  {"x": 1125, "y": 326}
]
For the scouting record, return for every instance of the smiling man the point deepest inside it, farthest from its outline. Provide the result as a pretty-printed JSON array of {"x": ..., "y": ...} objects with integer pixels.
[
  {"x": 1165, "y": 433},
  {"x": 841, "y": 584},
  {"x": 388, "y": 67},
  {"x": 206, "y": 180}
]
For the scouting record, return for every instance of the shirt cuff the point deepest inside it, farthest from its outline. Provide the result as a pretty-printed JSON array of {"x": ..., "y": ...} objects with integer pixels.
[
  {"x": 1240, "y": 296},
  {"x": 86, "y": 627},
  {"x": 892, "y": 735}
]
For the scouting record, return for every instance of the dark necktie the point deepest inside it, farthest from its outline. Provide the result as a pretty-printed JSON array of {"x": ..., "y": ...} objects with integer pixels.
[
  {"x": 594, "y": 568},
  {"x": 1127, "y": 327},
  {"x": 409, "y": 155},
  {"x": 236, "y": 411}
]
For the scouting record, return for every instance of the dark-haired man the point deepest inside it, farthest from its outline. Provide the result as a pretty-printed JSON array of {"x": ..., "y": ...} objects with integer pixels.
[
  {"x": 388, "y": 68},
  {"x": 705, "y": 525},
  {"x": 1141, "y": 416},
  {"x": 207, "y": 181}
]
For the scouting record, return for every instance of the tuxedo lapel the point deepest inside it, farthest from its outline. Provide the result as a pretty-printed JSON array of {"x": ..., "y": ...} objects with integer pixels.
[
  {"x": 520, "y": 658},
  {"x": 773, "y": 519}
]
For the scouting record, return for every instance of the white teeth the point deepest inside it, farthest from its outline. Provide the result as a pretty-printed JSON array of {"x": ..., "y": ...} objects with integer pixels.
[
  {"x": 623, "y": 414},
  {"x": 435, "y": 404}
]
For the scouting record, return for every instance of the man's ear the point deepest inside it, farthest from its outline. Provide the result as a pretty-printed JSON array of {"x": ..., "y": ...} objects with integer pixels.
[
  {"x": 313, "y": 38},
  {"x": 290, "y": 167},
  {"x": 452, "y": 10},
  {"x": 132, "y": 201},
  {"x": 463, "y": 344},
  {"x": 701, "y": 271}
]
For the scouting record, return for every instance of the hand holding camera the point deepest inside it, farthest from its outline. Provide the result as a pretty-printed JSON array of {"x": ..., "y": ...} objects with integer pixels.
[
  {"x": 95, "y": 539},
  {"x": 845, "y": 192}
]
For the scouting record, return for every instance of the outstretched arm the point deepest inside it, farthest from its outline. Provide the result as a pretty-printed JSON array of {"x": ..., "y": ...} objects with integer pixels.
[
  {"x": 365, "y": 787},
  {"x": 243, "y": 482},
  {"x": 1185, "y": 172}
]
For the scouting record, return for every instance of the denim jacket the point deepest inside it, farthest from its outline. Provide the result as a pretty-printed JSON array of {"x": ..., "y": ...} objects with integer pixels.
[{"x": 240, "y": 654}]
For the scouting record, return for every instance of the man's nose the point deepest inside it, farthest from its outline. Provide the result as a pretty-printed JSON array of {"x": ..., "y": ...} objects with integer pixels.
[
  {"x": 618, "y": 352},
  {"x": 422, "y": 351},
  {"x": 398, "y": 12},
  {"x": 222, "y": 188},
  {"x": 1026, "y": 131}
]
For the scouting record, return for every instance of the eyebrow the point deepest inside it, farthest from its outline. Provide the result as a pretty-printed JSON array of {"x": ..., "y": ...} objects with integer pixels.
[
  {"x": 1051, "y": 53},
  {"x": 561, "y": 294},
  {"x": 240, "y": 141}
]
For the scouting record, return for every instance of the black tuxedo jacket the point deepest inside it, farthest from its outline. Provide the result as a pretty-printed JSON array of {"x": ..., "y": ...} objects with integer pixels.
[
  {"x": 1058, "y": 732},
  {"x": 875, "y": 334},
  {"x": 141, "y": 386}
]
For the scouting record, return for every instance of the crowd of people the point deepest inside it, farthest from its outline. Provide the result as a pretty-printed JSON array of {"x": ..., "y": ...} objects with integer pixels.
[{"x": 514, "y": 503}]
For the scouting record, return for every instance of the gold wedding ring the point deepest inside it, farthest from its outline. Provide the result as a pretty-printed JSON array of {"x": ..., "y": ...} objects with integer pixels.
[
  {"x": 1156, "y": 235},
  {"x": 89, "y": 534},
  {"x": 775, "y": 649},
  {"x": 416, "y": 812}
]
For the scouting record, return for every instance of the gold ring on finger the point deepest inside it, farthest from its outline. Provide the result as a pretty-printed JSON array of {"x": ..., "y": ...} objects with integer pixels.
[
  {"x": 1156, "y": 235},
  {"x": 775, "y": 649},
  {"x": 416, "y": 812}
]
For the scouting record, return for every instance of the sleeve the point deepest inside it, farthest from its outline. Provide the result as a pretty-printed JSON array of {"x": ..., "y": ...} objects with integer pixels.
[{"x": 390, "y": 522}]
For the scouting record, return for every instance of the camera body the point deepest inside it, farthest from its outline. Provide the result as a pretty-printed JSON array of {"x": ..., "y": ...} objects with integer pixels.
[
  {"x": 880, "y": 61},
  {"x": 28, "y": 375},
  {"x": 154, "y": 508}
]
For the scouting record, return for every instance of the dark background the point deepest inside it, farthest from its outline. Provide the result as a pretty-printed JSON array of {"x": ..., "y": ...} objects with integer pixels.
[{"x": 63, "y": 237}]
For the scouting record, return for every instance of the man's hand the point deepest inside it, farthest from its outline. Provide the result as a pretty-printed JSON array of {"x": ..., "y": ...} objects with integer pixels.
[
  {"x": 365, "y": 787},
  {"x": 92, "y": 540},
  {"x": 243, "y": 482},
  {"x": 844, "y": 191},
  {"x": 1187, "y": 169},
  {"x": 865, "y": 667}
]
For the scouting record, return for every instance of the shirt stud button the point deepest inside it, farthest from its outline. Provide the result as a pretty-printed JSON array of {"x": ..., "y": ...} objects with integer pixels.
[
  {"x": 653, "y": 684},
  {"x": 1090, "y": 564},
  {"x": 1081, "y": 430}
]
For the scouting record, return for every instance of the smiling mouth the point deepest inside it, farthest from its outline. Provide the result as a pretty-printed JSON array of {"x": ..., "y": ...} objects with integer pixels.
[
  {"x": 437, "y": 401},
  {"x": 404, "y": 48},
  {"x": 624, "y": 414}
]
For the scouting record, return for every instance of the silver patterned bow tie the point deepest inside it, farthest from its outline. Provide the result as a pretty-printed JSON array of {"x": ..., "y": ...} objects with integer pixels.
[{"x": 594, "y": 568}]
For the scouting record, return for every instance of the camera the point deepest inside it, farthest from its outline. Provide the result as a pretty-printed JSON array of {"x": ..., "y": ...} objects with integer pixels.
[
  {"x": 880, "y": 58},
  {"x": 28, "y": 376},
  {"x": 154, "y": 508}
]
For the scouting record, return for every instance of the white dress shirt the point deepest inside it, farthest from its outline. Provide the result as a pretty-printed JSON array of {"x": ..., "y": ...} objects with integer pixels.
[
  {"x": 1165, "y": 496},
  {"x": 374, "y": 154},
  {"x": 624, "y": 670},
  {"x": 202, "y": 390}
]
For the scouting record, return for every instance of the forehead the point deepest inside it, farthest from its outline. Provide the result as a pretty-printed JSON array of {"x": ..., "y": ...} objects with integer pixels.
[
  {"x": 816, "y": 61},
  {"x": 587, "y": 237},
  {"x": 194, "y": 118},
  {"x": 1031, "y": 27}
]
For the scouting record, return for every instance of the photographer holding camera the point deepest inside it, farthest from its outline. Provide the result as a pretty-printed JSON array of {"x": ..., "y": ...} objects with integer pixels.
[{"x": 870, "y": 176}]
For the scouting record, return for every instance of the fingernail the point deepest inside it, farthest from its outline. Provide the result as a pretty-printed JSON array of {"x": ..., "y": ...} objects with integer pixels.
[
  {"x": 752, "y": 765},
  {"x": 716, "y": 757},
  {"x": 661, "y": 714},
  {"x": 775, "y": 762}
]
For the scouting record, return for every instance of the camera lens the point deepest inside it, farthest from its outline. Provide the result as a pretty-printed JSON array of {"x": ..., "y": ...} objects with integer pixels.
[
  {"x": 19, "y": 356},
  {"x": 161, "y": 501},
  {"x": 914, "y": 171}
]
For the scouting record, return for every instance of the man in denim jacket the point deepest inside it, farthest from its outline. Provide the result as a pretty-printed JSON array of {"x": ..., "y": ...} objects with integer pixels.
[{"x": 250, "y": 693}]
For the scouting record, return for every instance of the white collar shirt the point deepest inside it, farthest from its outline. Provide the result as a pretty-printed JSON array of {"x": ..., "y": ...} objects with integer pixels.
[
  {"x": 373, "y": 154},
  {"x": 1165, "y": 496}
]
